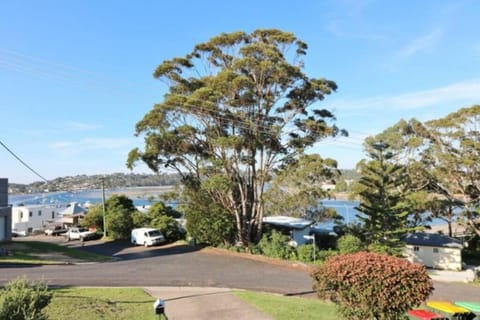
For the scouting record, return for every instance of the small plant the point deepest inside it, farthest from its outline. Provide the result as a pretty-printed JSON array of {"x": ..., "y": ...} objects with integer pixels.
[
  {"x": 305, "y": 253},
  {"x": 323, "y": 255},
  {"x": 276, "y": 245},
  {"x": 24, "y": 300},
  {"x": 349, "y": 244},
  {"x": 367, "y": 285}
]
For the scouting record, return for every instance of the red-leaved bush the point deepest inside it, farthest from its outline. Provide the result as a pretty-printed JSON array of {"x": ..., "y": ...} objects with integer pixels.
[{"x": 368, "y": 285}]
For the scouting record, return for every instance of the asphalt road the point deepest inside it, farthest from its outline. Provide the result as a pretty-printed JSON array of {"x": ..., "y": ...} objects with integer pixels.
[{"x": 185, "y": 266}]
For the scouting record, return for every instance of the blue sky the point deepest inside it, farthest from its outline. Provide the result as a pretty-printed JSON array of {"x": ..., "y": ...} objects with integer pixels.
[{"x": 76, "y": 76}]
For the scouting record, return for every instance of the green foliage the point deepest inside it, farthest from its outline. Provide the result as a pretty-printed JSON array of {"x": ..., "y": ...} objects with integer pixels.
[
  {"x": 349, "y": 244},
  {"x": 305, "y": 253},
  {"x": 160, "y": 209},
  {"x": 169, "y": 227},
  {"x": 161, "y": 217},
  {"x": 140, "y": 219},
  {"x": 382, "y": 190},
  {"x": 446, "y": 165},
  {"x": 24, "y": 300},
  {"x": 323, "y": 255},
  {"x": 238, "y": 105},
  {"x": 276, "y": 245},
  {"x": 94, "y": 217},
  {"x": 295, "y": 189},
  {"x": 367, "y": 285},
  {"x": 207, "y": 222},
  {"x": 119, "y": 216}
]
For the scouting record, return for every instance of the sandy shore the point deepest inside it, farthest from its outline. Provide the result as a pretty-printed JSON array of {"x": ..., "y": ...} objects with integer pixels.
[{"x": 141, "y": 192}]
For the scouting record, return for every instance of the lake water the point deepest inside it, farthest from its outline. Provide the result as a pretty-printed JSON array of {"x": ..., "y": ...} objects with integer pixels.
[{"x": 140, "y": 197}]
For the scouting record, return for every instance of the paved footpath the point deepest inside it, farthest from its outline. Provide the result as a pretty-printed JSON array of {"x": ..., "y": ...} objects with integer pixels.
[{"x": 204, "y": 304}]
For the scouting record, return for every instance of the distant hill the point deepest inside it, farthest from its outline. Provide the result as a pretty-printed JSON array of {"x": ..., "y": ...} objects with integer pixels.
[
  {"x": 86, "y": 182},
  {"x": 122, "y": 180}
]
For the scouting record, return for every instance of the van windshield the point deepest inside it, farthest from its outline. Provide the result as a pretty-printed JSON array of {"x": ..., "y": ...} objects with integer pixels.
[{"x": 154, "y": 233}]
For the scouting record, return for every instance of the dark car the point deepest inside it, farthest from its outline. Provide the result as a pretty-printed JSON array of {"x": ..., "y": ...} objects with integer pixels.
[{"x": 55, "y": 230}]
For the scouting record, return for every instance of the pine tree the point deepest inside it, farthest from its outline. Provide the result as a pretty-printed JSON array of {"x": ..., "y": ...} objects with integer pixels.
[{"x": 381, "y": 190}]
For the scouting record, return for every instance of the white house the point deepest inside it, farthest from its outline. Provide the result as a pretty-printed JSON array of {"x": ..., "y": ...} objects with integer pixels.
[
  {"x": 27, "y": 218},
  {"x": 73, "y": 214},
  {"x": 297, "y": 228},
  {"x": 434, "y": 250}
]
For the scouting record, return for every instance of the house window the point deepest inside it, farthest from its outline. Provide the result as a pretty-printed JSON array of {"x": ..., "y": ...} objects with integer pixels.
[
  {"x": 435, "y": 250},
  {"x": 416, "y": 248},
  {"x": 30, "y": 214},
  {"x": 53, "y": 214},
  {"x": 21, "y": 214},
  {"x": 39, "y": 213}
]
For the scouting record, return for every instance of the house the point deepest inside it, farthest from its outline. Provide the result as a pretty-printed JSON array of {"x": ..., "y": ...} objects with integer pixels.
[
  {"x": 5, "y": 212},
  {"x": 28, "y": 218},
  {"x": 296, "y": 228},
  {"x": 73, "y": 214},
  {"x": 434, "y": 250}
]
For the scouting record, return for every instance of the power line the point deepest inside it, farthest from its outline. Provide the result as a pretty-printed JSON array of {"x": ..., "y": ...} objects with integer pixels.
[{"x": 23, "y": 162}]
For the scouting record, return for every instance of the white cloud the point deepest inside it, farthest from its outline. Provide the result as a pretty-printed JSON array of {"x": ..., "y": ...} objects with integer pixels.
[
  {"x": 459, "y": 94},
  {"x": 418, "y": 45}
]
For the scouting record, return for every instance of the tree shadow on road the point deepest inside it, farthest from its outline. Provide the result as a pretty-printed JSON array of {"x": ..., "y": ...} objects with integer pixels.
[{"x": 124, "y": 251}]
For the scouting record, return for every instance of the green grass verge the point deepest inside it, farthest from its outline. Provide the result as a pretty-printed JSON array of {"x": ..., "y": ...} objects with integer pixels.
[
  {"x": 29, "y": 252},
  {"x": 100, "y": 303},
  {"x": 286, "y": 308}
]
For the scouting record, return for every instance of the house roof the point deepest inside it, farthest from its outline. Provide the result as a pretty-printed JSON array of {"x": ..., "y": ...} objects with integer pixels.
[
  {"x": 74, "y": 209},
  {"x": 432, "y": 240},
  {"x": 290, "y": 222}
]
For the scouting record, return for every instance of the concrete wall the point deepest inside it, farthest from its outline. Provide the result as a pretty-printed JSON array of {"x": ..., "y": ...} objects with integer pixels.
[
  {"x": 435, "y": 257},
  {"x": 5, "y": 212}
]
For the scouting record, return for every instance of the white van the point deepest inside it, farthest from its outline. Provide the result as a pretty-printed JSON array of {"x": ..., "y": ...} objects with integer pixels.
[{"x": 147, "y": 237}]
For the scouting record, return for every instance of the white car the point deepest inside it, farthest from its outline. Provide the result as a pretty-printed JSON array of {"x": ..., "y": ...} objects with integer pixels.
[
  {"x": 81, "y": 234},
  {"x": 147, "y": 237}
]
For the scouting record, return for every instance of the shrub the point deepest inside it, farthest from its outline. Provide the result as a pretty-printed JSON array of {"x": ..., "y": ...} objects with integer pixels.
[
  {"x": 169, "y": 227},
  {"x": 367, "y": 285},
  {"x": 210, "y": 225},
  {"x": 305, "y": 253},
  {"x": 349, "y": 244},
  {"x": 119, "y": 221},
  {"x": 323, "y": 255},
  {"x": 23, "y": 300},
  {"x": 276, "y": 245}
]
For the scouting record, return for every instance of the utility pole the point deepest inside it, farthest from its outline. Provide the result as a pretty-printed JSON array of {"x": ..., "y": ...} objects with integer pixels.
[{"x": 102, "y": 179}]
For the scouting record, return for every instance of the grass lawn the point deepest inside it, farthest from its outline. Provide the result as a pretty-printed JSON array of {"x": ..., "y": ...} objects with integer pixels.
[
  {"x": 283, "y": 308},
  {"x": 100, "y": 303},
  {"x": 37, "y": 252}
]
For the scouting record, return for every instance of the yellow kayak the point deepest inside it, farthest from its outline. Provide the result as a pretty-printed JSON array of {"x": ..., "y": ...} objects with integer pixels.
[{"x": 446, "y": 307}]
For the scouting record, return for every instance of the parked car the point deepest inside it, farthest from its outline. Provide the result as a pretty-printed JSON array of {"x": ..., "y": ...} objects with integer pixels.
[
  {"x": 55, "y": 230},
  {"x": 78, "y": 233},
  {"x": 147, "y": 237},
  {"x": 19, "y": 233}
]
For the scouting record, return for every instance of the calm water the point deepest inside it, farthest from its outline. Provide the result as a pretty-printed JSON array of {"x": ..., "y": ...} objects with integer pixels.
[
  {"x": 344, "y": 207},
  {"x": 63, "y": 198}
]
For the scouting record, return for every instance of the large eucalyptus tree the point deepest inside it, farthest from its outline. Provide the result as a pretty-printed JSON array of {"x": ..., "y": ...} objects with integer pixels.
[
  {"x": 238, "y": 106},
  {"x": 442, "y": 158}
]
